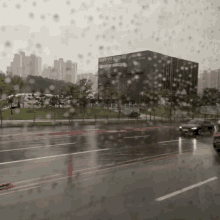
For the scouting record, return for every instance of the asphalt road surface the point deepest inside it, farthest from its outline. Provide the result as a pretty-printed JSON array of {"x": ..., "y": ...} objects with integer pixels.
[{"x": 115, "y": 173}]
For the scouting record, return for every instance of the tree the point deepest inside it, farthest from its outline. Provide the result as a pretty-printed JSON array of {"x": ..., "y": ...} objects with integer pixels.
[
  {"x": 5, "y": 91},
  {"x": 210, "y": 97},
  {"x": 61, "y": 97},
  {"x": 165, "y": 93},
  {"x": 72, "y": 92},
  {"x": 53, "y": 100},
  {"x": 108, "y": 93},
  {"x": 19, "y": 86},
  {"x": 32, "y": 98},
  {"x": 194, "y": 102},
  {"x": 85, "y": 92},
  {"x": 41, "y": 98},
  {"x": 123, "y": 96}
]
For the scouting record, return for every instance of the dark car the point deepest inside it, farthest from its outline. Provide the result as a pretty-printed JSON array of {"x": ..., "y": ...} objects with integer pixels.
[
  {"x": 216, "y": 140},
  {"x": 134, "y": 114},
  {"x": 197, "y": 126}
]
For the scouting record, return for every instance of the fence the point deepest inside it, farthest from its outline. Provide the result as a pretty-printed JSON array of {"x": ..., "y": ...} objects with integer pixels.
[{"x": 112, "y": 106}]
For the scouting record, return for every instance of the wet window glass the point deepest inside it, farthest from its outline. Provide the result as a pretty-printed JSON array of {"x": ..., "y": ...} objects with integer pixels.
[{"x": 101, "y": 103}]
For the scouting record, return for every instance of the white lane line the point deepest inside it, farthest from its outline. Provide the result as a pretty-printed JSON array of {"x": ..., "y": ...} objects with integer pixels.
[
  {"x": 60, "y": 155},
  {"x": 137, "y": 136},
  {"x": 186, "y": 189},
  {"x": 96, "y": 167},
  {"x": 24, "y": 181},
  {"x": 8, "y": 135},
  {"x": 39, "y": 139},
  {"x": 111, "y": 164},
  {"x": 18, "y": 189},
  {"x": 169, "y": 141},
  {"x": 63, "y": 178},
  {"x": 27, "y": 148}
]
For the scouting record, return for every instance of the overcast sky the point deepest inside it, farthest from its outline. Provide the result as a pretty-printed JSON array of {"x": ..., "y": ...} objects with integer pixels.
[{"x": 82, "y": 31}]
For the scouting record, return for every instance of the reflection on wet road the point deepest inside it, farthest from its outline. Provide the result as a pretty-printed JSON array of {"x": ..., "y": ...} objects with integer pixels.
[{"x": 91, "y": 170}]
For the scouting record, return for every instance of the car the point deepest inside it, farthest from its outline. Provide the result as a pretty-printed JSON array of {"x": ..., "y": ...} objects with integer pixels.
[
  {"x": 216, "y": 139},
  {"x": 134, "y": 115},
  {"x": 5, "y": 108},
  {"x": 216, "y": 142},
  {"x": 197, "y": 126}
]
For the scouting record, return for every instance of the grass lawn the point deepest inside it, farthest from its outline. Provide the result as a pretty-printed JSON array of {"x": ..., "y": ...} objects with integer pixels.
[
  {"x": 57, "y": 113},
  {"x": 103, "y": 124},
  {"x": 164, "y": 112}
]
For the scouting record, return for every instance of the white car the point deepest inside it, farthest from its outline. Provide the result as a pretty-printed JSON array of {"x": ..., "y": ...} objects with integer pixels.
[{"x": 5, "y": 108}]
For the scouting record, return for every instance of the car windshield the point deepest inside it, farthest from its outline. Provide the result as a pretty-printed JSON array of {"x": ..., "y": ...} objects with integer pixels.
[
  {"x": 100, "y": 98},
  {"x": 195, "y": 121}
]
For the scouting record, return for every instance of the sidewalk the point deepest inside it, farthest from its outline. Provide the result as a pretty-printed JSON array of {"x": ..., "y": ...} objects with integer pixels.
[
  {"x": 61, "y": 120},
  {"x": 142, "y": 117}
]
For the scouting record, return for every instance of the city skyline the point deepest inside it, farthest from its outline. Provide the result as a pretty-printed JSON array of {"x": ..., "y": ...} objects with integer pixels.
[
  {"x": 23, "y": 65},
  {"x": 84, "y": 32}
]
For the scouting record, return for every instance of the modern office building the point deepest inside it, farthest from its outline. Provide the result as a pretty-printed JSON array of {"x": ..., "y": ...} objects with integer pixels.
[{"x": 147, "y": 71}]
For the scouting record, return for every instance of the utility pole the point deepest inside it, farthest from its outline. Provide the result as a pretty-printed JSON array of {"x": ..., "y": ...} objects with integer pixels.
[{"x": 171, "y": 89}]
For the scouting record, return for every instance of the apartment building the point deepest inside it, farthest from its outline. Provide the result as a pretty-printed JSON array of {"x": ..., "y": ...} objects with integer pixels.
[
  {"x": 23, "y": 65},
  {"x": 47, "y": 71},
  {"x": 209, "y": 79},
  {"x": 71, "y": 71}
]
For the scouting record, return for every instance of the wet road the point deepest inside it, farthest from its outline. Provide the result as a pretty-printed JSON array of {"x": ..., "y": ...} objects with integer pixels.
[{"x": 115, "y": 173}]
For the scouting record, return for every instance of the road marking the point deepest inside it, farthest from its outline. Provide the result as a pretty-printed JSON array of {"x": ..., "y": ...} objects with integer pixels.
[
  {"x": 61, "y": 155},
  {"x": 110, "y": 164},
  {"x": 6, "y": 135},
  {"x": 41, "y": 139},
  {"x": 27, "y": 148},
  {"x": 169, "y": 141},
  {"x": 137, "y": 136},
  {"x": 35, "y": 185},
  {"x": 63, "y": 178},
  {"x": 33, "y": 179},
  {"x": 186, "y": 189}
]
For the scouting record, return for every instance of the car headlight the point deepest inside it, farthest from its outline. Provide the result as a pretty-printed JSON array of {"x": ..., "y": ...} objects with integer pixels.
[
  {"x": 194, "y": 128},
  {"x": 180, "y": 127}
]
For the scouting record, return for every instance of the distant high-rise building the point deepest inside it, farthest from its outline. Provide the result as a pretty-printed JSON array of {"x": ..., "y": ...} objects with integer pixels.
[
  {"x": 35, "y": 65},
  {"x": 47, "y": 72},
  {"x": 214, "y": 79},
  {"x": 57, "y": 69},
  {"x": 27, "y": 67},
  {"x": 209, "y": 79},
  {"x": 23, "y": 65},
  {"x": 62, "y": 74},
  {"x": 66, "y": 71},
  {"x": 9, "y": 71},
  {"x": 39, "y": 68},
  {"x": 74, "y": 72},
  {"x": 200, "y": 84},
  {"x": 71, "y": 71},
  {"x": 16, "y": 65}
]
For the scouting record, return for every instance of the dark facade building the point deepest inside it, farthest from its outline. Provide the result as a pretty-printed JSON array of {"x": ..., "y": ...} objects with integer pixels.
[{"x": 146, "y": 71}]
